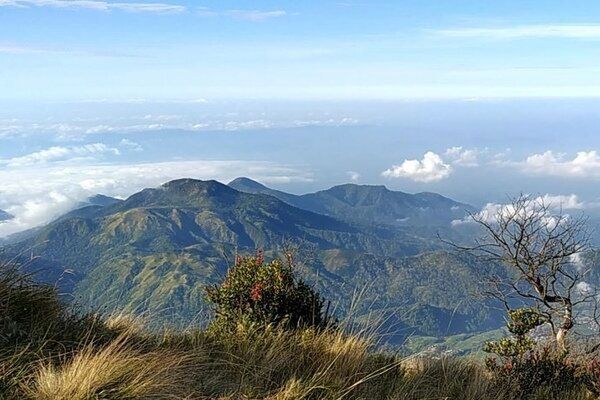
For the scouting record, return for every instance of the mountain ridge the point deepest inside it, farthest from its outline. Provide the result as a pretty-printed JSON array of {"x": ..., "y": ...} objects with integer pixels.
[{"x": 369, "y": 204}]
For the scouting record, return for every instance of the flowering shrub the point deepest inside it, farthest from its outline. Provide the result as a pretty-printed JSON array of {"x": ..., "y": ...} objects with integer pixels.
[{"x": 255, "y": 291}]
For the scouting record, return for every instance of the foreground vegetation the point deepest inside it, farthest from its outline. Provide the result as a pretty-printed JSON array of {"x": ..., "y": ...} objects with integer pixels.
[{"x": 50, "y": 353}]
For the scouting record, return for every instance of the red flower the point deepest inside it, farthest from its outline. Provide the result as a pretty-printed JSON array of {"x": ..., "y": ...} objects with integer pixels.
[
  {"x": 256, "y": 292},
  {"x": 260, "y": 257}
]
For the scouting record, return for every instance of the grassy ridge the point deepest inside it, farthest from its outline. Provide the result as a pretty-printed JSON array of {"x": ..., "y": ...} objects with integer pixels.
[{"x": 49, "y": 353}]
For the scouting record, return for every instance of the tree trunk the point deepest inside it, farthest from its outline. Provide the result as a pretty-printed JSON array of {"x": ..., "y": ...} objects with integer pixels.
[{"x": 561, "y": 335}]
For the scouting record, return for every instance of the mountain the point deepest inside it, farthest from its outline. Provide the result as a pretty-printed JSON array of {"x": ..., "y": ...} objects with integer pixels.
[
  {"x": 101, "y": 200},
  {"x": 98, "y": 200},
  {"x": 4, "y": 216},
  {"x": 155, "y": 251},
  {"x": 369, "y": 204}
]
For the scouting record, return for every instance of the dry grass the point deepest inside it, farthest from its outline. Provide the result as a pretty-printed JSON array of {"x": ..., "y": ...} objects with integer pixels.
[
  {"x": 253, "y": 364},
  {"x": 117, "y": 371}
]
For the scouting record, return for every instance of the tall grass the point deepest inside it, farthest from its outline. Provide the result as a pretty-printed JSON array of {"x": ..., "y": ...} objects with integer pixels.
[
  {"x": 49, "y": 353},
  {"x": 117, "y": 371}
]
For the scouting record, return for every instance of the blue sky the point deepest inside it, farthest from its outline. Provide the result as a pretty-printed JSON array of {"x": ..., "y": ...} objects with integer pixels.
[
  {"x": 95, "y": 49},
  {"x": 472, "y": 99}
]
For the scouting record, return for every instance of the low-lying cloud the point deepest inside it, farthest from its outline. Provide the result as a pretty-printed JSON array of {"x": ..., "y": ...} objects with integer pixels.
[
  {"x": 586, "y": 164},
  {"x": 36, "y": 196},
  {"x": 58, "y": 153},
  {"x": 490, "y": 212}
]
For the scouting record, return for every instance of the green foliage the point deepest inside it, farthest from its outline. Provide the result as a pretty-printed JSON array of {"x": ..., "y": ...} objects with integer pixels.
[
  {"x": 538, "y": 368},
  {"x": 526, "y": 368},
  {"x": 522, "y": 321},
  {"x": 256, "y": 291}
]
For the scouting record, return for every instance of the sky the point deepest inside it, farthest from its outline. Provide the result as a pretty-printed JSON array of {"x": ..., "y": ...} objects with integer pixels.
[{"x": 476, "y": 100}]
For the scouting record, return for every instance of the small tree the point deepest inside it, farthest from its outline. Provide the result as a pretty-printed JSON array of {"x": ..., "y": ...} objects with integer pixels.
[
  {"x": 262, "y": 292},
  {"x": 540, "y": 246},
  {"x": 521, "y": 322}
]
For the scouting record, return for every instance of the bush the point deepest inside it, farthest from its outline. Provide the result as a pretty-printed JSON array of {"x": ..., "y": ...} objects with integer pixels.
[
  {"x": 265, "y": 293},
  {"x": 540, "y": 368},
  {"x": 590, "y": 370},
  {"x": 524, "y": 367}
]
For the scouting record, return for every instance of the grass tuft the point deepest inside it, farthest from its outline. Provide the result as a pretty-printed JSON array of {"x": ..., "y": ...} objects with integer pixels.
[{"x": 117, "y": 371}]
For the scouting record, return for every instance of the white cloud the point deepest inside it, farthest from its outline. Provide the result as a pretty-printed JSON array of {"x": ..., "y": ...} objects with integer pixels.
[
  {"x": 247, "y": 15},
  {"x": 61, "y": 153},
  {"x": 571, "y": 31},
  {"x": 156, "y": 123},
  {"x": 131, "y": 145},
  {"x": 160, "y": 8},
  {"x": 256, "y": 15},
  {"x": 36, "y": 195},
  {"x": 354, "y": 176},
  {"x": 37, "y": 211},
  {"x": 586, "y": 164},
  {"x": 13, "y": 49},
  {"x": 577, "y": 260},
  {"x": 490, "y": 211},
  {"x": 430, "y": 169},
  {"x": 584, "y": 288},
  {"x": 565, "y": 202},
  {"x": 463, "y": 157}
]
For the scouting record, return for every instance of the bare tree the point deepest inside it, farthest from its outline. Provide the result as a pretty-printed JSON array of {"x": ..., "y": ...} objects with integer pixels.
[{"x": 541, "y": 246}]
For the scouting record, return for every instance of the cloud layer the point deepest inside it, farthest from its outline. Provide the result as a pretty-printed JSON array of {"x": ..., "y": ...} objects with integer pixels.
[
  {"x": 247, "y": 15},
  {"x": 570, "y": 31},
  {"x": 57, "y": 153},
  {"x": 36, "y": 195},
  {"x": 160, "y": 8}
]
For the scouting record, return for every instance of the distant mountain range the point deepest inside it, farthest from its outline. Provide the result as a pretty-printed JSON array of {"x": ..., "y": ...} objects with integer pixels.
[
  {"x": 155, "y": 251},
  {"x": 368, "y": 204}
]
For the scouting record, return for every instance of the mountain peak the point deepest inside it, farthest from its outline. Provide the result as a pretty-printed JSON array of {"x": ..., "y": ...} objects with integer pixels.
[
  {"x": 101, "y": 200},
  {"x": 246, "y": 184},
  {"x": 182, "y": 193},
  {"x": 196, "y": 187}
]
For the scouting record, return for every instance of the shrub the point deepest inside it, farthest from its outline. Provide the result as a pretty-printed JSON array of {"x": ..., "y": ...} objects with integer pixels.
[
  {"x": 537, "y": 369},
  {"x": 520, "y": 364},
  {"x": 255, "y": 291},
  {"x": 591, "y": 374}
]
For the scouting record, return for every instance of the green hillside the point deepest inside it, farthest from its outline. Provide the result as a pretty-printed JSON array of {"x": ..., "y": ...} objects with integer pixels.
[
  {"x": 369, "y": 204},
  {"x": 155, "y": 251}
]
